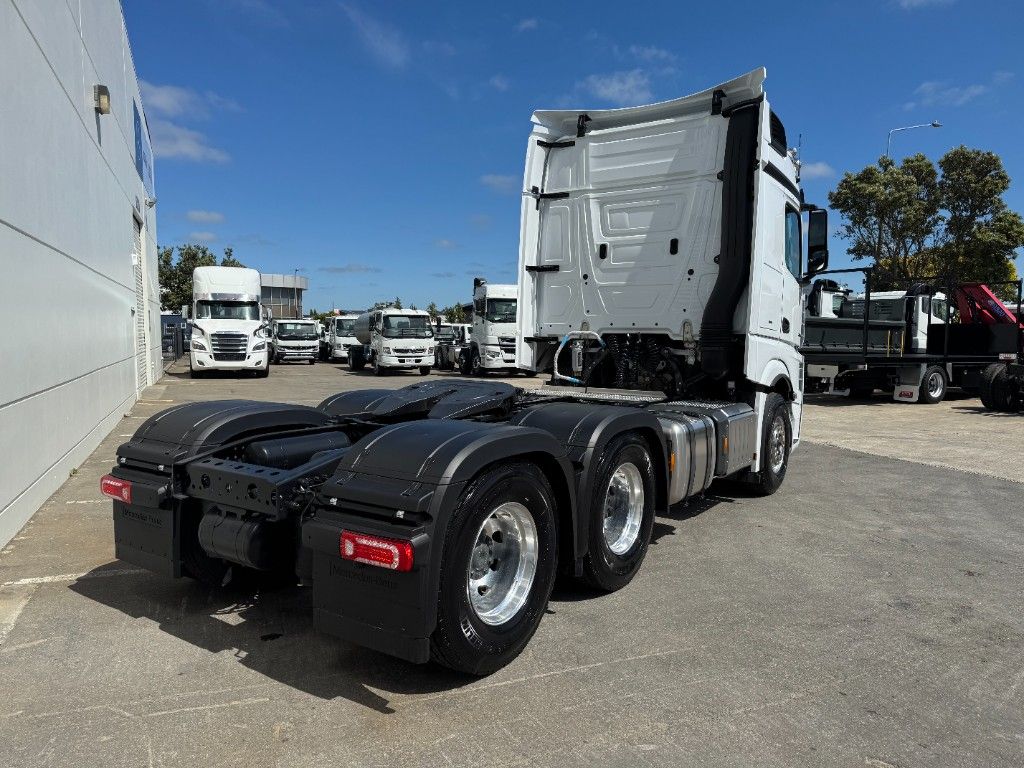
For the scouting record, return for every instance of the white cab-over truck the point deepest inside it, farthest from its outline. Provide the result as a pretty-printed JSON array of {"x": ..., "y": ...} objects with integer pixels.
[
  {"x": 341, "y": 335},
  {"x": 493, "y": 335},
  {"x": 392, "y": 339},
  {"x": 659, "y": 284},
  {"x": 228, "y": 329},
  {"x": 295, "y": 341}
]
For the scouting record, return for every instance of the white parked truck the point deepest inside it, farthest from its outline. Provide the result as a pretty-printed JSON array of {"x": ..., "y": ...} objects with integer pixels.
[
  {"x": 660, "y": 260},
  {"x": 341, "y": 336},
  {"x": 494, "y": 332},
  {"x": 392, "y": 338},
  {"x": 452, "y": 340},
  {"x": 295, "y": 340},
  {"x": 228, "y": 329}
]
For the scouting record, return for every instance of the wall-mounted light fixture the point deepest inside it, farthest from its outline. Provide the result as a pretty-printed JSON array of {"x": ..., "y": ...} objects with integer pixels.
[{"x": 101, "y": 99}]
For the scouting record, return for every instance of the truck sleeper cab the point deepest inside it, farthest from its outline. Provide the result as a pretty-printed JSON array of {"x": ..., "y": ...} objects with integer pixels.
[
  {"x": 430, "y": 521},
  {"x": 229, "y": 332}
]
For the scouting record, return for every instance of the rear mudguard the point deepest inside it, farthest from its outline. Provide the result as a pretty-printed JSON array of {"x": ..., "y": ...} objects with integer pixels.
[
  {"x": 183, "y": 431},
  {"x": 404, "y": 481}
]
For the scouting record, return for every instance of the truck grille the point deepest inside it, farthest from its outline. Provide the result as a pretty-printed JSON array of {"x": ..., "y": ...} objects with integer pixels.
[
  {"x": 409, "y": 351},
  {"x": 229, "y": 347},
  {"x": 507, "y": 344}
]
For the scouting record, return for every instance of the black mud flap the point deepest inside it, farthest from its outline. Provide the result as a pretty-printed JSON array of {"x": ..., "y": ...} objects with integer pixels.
[{"x": 149, "y": 537}]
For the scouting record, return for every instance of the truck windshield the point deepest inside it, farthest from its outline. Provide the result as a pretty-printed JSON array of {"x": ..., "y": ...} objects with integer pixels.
[
  {"x": 407, "y": 326},
  {"x": 227, "y": 310},
  {"x": 344, "y": 327},
  {"x": 501, "y": 311},
  {"x": 294, "y": 331}
]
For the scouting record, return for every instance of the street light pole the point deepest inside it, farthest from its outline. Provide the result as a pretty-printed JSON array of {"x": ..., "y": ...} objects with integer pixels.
[
  {"x": 888, "y": 145},
  {"x": 888, "y": 141},
  {"x": 295, "y": 291}
]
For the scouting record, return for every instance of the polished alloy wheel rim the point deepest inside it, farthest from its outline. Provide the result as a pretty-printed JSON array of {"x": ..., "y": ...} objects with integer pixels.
[
  {"x": 502, "y": 564},
  {"x": 623, "y": 508},
  {"x": 777, "y": 444},
  {"x": 935, "y": 384}
]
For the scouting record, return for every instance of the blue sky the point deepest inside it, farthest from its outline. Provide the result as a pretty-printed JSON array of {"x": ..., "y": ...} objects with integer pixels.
[{"x": 378, "y": 146}]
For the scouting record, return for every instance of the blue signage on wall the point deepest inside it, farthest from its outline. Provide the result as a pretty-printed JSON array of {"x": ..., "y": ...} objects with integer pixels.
[{"x": 143, "y": 153}]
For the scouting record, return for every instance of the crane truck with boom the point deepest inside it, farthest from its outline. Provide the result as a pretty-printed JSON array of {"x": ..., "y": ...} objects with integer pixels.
[{"x": 660, "y": 260}]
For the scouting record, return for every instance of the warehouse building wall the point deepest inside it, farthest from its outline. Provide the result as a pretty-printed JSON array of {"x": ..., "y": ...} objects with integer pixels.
[{"x": 79, "y": 293}]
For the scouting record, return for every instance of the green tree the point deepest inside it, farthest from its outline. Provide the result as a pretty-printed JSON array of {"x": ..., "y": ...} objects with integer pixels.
[
  {"x": 229, "y": 260},
  {"x": 917, "y": 223},
  {"x": 890, "y": 214},
  {"x": 980, "y": 234},
  {"x": 175, "y": 271},
  {"x": 397, "y": 303},
  {"x": 432, "y": 310},
  {"x": 454, "y": 313}
]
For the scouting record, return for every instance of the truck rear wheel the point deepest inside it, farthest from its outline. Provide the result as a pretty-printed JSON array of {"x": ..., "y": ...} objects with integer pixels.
[
  {"x": 933, "y": 385},
  {"x": 621, "y": 513},
  {"x": 378, "y": 370},
  {"x": 776, "y": 441},
  {"x": 988, "y": 376},
  {"x": 1001, "y": 397},
  {"x": 424, "y": 370},
  {"x": 499, "y": 558}
]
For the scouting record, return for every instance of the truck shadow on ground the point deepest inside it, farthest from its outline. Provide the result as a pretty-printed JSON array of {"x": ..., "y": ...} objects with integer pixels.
[
  {"x": 878, "y": 398},
  {"x": 270, "y": 632}
]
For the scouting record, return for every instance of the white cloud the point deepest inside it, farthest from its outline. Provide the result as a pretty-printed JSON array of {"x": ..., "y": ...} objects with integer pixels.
[
  {"x": 445, "y": 244},
  {"x": 443, "y": 275},
  {"x": 202, "y": 237},
  {"x": 499, "y": 83},
  {"x": 386, "y": 44},
  {"x": 819, "y": 170},
  {"x": 935, "y": 93},
  {"x": 172, "y": 140},
  {"x": 205, "y": 217},
  {"x": 180, "y": 102},
  {"x": 480, "y": 221},
  {"x": 910, "y": 5},
  {"x": 652, "y": 54},
  {"x": 499, "y": 183},
  {"x": 621, "y": 88},
  {"x": 527, "y": 24}
]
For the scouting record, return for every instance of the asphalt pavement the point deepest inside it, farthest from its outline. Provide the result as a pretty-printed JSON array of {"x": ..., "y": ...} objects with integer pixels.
[{"x": 868, "y": 614}]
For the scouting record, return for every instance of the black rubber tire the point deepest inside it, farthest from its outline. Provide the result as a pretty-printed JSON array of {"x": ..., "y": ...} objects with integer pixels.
[
  {"x": 988, "y": 376},
  {"x": 767, "y": 481},
  {"x": 464, "y": 363},
  {"x": 424, "y": 370},
  {"x": 861, "y": 393},
  {"x": 475, "y": 366},
  {"x": 192, "y": 372},
  {"x": 926, "y": 397},
  {"x": 1002, "y": 396},
  {"x": 263, "y": 372},
  {"x": 312, "y": 361},
  {"x": 196, "y": 564},
  {"x": 461, "y": 641},
  {"x": 377, "y": 370},
  {"x": 602, "y": 568}
]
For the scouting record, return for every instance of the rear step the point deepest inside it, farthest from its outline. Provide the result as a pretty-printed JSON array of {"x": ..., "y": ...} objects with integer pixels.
[{"x": 596, "y": 394}]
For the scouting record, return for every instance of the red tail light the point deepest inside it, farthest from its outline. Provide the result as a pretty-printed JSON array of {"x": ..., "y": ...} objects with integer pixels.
[
  {"x": 394, "y": 554},
  {"x": 116, "y": 488}
]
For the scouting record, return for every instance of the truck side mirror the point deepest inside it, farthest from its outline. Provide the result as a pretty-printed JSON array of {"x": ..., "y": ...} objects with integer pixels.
[
  {"x": 817, "y": 241},
  {"x": 184, "y": 311}
]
